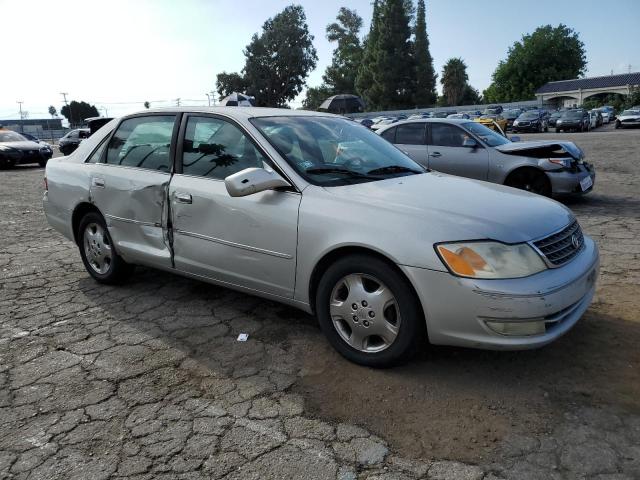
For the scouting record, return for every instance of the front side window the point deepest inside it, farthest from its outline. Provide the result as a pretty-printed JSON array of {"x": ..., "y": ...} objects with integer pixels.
[
  {"x": 447, "y": 135},
  {"x": 215, "y": 148},
  {"x": 333, "y": 151},
  {"x": 389, "y": 135},
  {"x": 142, "y": 142},
  {"x": 410, "y": 134},
  {"x": 487, "y": 135}
]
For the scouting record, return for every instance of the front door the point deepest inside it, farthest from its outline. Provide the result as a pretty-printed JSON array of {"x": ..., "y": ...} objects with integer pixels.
[
  {"x": 129, "y": 186},
  {"x": 246, "y": 241},
  {"x": 447, "y": 154}
]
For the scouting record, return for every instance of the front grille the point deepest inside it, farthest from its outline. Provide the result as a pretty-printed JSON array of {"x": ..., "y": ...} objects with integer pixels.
[
  {"x": 523, "y": 124},
  {"x": 561, "y": 247}
]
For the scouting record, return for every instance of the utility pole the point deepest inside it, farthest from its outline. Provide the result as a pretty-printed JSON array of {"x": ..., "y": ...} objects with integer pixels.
[
  {"x": 213, "y": 95},
  {"x": 20, "y": 102},
  {"x": 177, "y": 102},
  {"x": 208, "y": 99},
  {"x": 64, "y": 95}
]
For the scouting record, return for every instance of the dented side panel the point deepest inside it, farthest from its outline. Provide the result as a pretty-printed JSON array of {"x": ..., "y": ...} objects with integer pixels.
[{"x": 134, "y": 204}]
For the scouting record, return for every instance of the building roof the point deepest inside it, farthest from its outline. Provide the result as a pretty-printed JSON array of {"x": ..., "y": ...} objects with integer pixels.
[{"x": 608, "y": 81}]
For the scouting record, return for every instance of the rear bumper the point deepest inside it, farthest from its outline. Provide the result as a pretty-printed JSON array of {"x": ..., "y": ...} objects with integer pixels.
[{"x": 457, "y": 309}]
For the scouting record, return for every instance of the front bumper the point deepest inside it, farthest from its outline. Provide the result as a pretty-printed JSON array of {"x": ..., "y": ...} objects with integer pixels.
[
  {"x": 566, "y": 182},
  {"x": 456, "y": 309}
]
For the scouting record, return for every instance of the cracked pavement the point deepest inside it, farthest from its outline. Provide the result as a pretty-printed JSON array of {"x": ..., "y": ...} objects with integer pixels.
[{"x": 148, "y": 381}]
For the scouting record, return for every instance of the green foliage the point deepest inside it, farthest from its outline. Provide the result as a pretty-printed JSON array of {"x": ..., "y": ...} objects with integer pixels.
[
  {"x": 470, "y": 96},
  {"x": 617, "y": 101},
  {"x": 387, "y": 75},
  {"x": 548, "y": 54},
  {"x": 315, "y": 96},
  {"x": 340, "y": 76},
  {"x": 425, "y": 89},
  {"x": 76, "y": 112},
  {"x": 52, "y": 111},
  {"x": 454, "y": 81},
  {"x": 278, "y": 60},
  {"x": 147, "y": 105}
]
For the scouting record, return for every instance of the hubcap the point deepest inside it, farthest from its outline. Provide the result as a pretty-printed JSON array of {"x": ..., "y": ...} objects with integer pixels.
[
  {"x": 364, "y": 312},
  {"x": 97, "y": 248}
]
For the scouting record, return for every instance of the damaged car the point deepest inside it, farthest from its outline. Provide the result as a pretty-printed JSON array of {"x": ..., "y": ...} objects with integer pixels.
[
  {"x": 320, "y": 213},
  {"x": 469, "y": 149}
]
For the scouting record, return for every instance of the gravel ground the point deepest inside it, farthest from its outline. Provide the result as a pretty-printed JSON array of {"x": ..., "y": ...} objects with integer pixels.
[{"x": 148, "y": 380}]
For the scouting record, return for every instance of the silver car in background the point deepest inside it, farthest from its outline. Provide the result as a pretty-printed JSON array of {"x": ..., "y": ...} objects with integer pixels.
[
  {"x": 471, "y": 150},
  {"x": 318, "y": 212}
]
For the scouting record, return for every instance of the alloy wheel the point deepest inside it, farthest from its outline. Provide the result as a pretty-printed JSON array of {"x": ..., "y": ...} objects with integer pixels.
[
  {"x": 97, "y": 248},
  {"x": 364, "y": 312}
]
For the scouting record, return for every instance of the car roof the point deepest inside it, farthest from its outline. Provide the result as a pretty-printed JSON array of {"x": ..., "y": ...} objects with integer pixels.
[
  {"x": 453, "y": 121},
  {"x": 238, "y": 112}
]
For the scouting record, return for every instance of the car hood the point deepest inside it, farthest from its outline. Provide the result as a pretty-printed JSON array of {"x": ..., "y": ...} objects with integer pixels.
[
  {"x": 449, "y": 208},
  {"x": 24, "y": 145},
  {"x": 542, "y": 147},
  {"x": 628, "y": 117}
]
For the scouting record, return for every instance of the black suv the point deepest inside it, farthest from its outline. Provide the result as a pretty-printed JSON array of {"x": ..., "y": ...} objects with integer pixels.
[
  {"x": 71, "y": 140},
  {"x": 531, "y": 121},
  {"x": 577, "y": 120}
]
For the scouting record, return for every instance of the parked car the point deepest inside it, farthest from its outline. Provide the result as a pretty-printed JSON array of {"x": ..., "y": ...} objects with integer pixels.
[
  {"x": 531, "y": 121},
  {"x": 72, "y": 139},
  {"x": 366, "y": 122},
  {"x": 493, "y": 110},
  {"x": 628, "y": 118},
  {"x": 386, "y": 254},
  {"x": 16, "y": 149},
  {"x": 472, "y": 150},
  {"x": 510, "y": 116},
  {"x": 491, "y": 121},
  {"x": 459, "y": 116},
  {"x": 553, "y": 118},
  {"x": 443, "y": 114},
  {"x": 593, "y": 119},
  {"x": 611, "y": 110},
  {"x": 574, "y": 120},
  {"x": 606, "y": 116},
  {"x": 420, "y": 115},
  {"x": 33, "y": 138}
]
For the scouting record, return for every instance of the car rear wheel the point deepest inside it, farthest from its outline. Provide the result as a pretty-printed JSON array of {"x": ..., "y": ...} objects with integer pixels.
[
  {"x": 531, "y": 180},
  {"x": 98, "y": 252},
  {"x": 369, "y": 311}
]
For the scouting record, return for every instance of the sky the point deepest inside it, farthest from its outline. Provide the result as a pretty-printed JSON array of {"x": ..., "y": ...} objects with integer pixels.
[{"x": 117, "y": 54}]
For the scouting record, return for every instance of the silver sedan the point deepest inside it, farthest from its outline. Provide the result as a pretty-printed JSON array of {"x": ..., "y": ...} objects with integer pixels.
[
  {"x": 472, "y": 150},
  {"x": 318, "y": 212}
]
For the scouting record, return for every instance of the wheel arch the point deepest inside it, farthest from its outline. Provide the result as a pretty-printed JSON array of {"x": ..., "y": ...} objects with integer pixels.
[
  {"x": 340, "y": 252},
  {"x": 528, "y": 168},
  {"x": 80, "y": 211}
]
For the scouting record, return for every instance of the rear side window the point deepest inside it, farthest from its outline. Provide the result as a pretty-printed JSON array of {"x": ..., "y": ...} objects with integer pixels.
[
  {"x": 97, "y": 153},
  {"x": 142, "y": 142},
  {"x": 446, "y": 135},
  {"x": 389, "y": 135},
  {"x": 216, "y": 148},
  {"x": 410, "y": 134}
]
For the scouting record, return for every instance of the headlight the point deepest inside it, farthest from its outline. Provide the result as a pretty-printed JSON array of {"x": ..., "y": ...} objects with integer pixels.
[
  {"x": 490, "y": 259},
  {"x": 565, "y": 162}
]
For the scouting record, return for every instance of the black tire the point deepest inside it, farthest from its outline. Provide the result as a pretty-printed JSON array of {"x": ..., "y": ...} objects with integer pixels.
[
  {"x": 412, "y": 328},
  {"x": 546, "y": 128},
  {"x": 118, "y": 270},
  {"x": 6, "y": 163},
  {"x": 617, "y": 125},
  {"x": 43, "y": 162},
  {"x": 558, "y": 130},
  {"x": 530, "y": 180}
]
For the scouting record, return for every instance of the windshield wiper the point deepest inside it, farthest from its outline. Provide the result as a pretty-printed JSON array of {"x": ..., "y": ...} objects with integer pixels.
[
  {"x": 393, "y": 169},
  {"x": 329, "y": 170}
]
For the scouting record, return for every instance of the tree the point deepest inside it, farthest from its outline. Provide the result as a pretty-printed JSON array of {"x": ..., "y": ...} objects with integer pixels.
[
  {"x": 227, "y": 83},
  {"x": 425, "y": 89},
  {"x": 277, "y": 62},
  {"x": 340, "y": 76},
  {"x": 454, "y": 81},
  {"x": 548, "y": 54},
  {"x": 315, "y": 96},
  {"x": 76, "y": 112},
  {"x": 52, "y": 111},
  {"x": 470, "y": 96},
  {"x": 147, "y": 105},
  {"x": 387, "y": 76}
]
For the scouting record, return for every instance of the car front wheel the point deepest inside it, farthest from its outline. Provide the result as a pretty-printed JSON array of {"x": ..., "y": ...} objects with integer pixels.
[
  {"x": 98, "y": 252},
  {"x": 531, "y": 180},
  {"x": 369, "y": 311}
]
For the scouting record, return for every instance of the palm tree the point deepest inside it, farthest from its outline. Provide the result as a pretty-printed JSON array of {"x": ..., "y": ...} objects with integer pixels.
[
  {"x": 52, "y": 111},
  {"x": 454, "y": 80},
  {"x": 147, "y": 104}
]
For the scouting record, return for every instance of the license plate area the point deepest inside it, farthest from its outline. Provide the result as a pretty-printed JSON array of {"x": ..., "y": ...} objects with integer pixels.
[{"x": 586, "y": 183}]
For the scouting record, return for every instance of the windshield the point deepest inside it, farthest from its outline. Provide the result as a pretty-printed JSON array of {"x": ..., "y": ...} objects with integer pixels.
[
  {"x": 572, "y": 115},
  {"x": 556, "y": 114},
  {"x": 331, "y": 151},
  {"x": 631, "y": 112},
  {"x": 529, "y": 115},
  {"x": 510, "y": 114},
  {"x": 488, "y": 136},
  {"x": 11, "y": 137}
]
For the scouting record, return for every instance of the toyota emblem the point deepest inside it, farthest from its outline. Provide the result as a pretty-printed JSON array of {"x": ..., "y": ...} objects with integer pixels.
[{"x": 575, "y": 241}]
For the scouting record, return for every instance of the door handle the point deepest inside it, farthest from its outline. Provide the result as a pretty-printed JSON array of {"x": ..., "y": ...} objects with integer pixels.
[
  {"x": 183, "y": 197},
  {"x": 97, "y": 182},
  {"x": 435, "y": 154}
]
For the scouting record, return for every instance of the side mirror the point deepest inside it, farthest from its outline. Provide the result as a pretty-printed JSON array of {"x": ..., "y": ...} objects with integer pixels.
[
  {"x": 253, "y": 180},
  {"x": 515, "y": 138},
  {"x": 469, "y": 142}
]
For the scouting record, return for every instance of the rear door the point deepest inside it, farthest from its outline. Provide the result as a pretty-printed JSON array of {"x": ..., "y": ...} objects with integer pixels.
[
  {"x": 246, "y": 241},
  {"x": 130, "y": 187},
  {"x": 411, "y": 139},
  {"x": 446, "y": 153}
]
